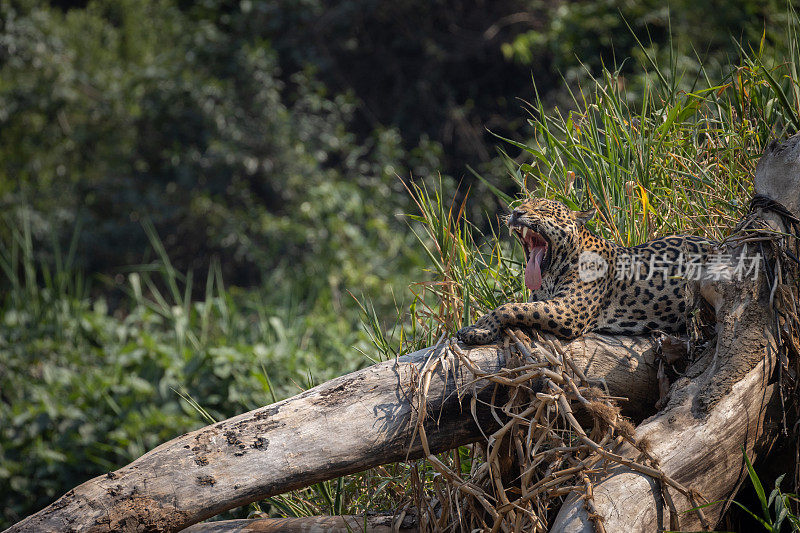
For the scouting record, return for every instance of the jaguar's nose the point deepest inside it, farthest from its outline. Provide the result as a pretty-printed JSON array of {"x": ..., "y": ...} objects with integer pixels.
[{"x": 515, "y": 215}]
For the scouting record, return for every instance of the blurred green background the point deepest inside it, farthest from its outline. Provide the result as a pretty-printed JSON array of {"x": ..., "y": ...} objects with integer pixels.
[{"x": 200, "y": 202}]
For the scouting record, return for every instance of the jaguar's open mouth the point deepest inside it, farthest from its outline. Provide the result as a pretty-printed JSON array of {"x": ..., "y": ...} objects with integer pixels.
[{"x": 537, "y": 250}]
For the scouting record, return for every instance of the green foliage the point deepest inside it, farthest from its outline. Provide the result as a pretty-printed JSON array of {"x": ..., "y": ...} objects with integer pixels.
[
  {"x": 431, "y": 69},
  {"x": 379, "y": 488},
  {"x": 83, "y": 391},
  {"x": 781, "y": 503},
  {"x": 582, "y": 37},
  {"x": 202, "y": 137},
  {"x": 777, "y": 499}
]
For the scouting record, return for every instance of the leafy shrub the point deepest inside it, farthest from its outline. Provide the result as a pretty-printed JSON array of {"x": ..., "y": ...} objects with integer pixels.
[
  {"x": 83, "y": 391},
  {"x": 102, "y": 124}
]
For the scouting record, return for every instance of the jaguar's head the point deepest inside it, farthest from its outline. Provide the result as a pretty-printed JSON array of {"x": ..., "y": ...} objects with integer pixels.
[{"x": 549, "y": 232}]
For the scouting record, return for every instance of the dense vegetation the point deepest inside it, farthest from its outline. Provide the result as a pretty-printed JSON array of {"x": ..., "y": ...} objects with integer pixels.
[{"x": 190, "y": 191}]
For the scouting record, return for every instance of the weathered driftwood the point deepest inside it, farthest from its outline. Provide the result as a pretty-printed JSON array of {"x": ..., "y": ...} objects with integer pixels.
[
  {"x": 316, "y": 524},
  {"x": 726, "y": 402},
  {"x": 346, "y": 425}
]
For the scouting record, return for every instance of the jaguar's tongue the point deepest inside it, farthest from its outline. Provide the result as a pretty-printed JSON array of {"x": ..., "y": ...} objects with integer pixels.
[{"x": 533, "y": 270}]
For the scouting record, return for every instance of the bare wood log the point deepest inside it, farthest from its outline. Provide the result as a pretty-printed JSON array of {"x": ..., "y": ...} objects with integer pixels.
[
  {"x": 725, "y": 403},
  {"x": 778, "y": 174},
  {"x": 346, "y": 425},
  {"x": 317, "y": 524}
]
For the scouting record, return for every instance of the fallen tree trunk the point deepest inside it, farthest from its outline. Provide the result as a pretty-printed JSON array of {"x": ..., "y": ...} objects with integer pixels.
[
  {"x": 727, "y": 401},
  {"x": 346, "y": 425}
]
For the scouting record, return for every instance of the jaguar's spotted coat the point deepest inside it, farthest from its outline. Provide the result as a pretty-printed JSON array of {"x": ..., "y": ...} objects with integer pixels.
[{"x": 568, "y": 301}]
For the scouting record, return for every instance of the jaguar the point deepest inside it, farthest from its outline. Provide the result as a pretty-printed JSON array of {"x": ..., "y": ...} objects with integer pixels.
[{"x": 581, "y": 282}]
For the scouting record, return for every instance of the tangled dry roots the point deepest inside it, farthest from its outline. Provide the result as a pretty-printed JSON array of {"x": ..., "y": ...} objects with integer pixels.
[{"x": 518, "y": 477}]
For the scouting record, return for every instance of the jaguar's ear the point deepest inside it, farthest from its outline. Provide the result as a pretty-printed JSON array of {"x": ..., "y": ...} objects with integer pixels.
[{"x": 582, "y": 217}]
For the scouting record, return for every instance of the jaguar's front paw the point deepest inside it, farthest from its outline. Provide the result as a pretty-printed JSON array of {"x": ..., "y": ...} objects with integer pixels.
[{"x": 476, "y": 335}]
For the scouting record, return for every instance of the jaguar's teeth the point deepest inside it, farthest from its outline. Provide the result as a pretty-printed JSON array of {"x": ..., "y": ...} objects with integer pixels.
[
  {"x": 525, "y": 232},
  {"x": 510, "y": 231}
]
